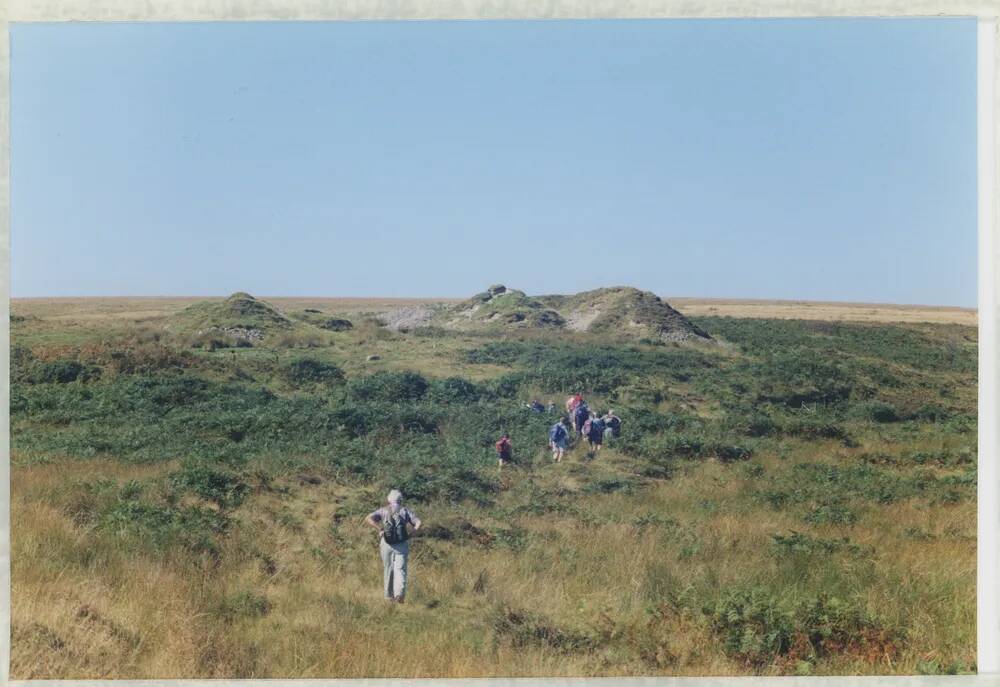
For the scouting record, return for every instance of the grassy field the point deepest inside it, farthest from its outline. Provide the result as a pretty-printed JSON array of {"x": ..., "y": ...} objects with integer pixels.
[{"x": 796, "y": 499}]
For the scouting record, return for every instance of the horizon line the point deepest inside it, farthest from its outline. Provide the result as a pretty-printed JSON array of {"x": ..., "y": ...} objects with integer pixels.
[{"x": 667, "y": 299}]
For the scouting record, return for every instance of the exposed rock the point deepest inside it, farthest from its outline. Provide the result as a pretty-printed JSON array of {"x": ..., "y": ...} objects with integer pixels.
[
  {"x": 406, "y": 318},
  {"x": 244, "y": 333},
  {"x": 336, "y": 324}
]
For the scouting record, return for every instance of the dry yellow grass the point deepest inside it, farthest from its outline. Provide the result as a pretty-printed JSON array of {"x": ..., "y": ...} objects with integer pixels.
[
  {"x": 83, "y": 607},
  {"x": 87, "y": 606},
  {"x": 824, "y": 310}
]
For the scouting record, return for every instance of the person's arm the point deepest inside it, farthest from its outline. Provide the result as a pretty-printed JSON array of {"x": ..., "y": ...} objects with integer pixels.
[
  {"x": 373, "y": 520},
  {"x": 414, "y": 521}
]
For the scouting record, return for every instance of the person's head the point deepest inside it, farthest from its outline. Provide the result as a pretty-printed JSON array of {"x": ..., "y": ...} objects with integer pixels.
[
  {"x": 610, "y": 411},
  {"x": 394, "y": 498},
  {"x": 505, "y": 436},
  {"x": 565, "y": 420}
]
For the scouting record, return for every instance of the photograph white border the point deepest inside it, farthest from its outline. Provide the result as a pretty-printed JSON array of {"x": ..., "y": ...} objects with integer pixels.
[{"x": 988, "y": 119}]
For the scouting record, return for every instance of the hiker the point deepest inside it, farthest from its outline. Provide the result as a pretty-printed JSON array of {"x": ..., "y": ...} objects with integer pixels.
[
  {"x": 572, "y": 402},
  {"x": 536, "y": 406},
  {"x": 612, "y": 425},
  {"x": 559, "y": 438},
  {"x": 504, "y": 449},
  {"x": 594, "y": 432},
  {"x": 394, "y": 546},
  {"x": 580, "y": 416}
]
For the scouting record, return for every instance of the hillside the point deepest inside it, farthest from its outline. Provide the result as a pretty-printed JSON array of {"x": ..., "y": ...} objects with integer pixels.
[{"x": 801, "y": 500}]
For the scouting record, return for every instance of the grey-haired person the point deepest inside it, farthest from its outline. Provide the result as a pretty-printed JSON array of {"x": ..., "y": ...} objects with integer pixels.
[{"x": 393, "y": 522}]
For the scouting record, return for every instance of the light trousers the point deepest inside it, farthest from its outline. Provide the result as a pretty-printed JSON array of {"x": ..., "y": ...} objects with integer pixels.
[{"x": 394, "y": 567}]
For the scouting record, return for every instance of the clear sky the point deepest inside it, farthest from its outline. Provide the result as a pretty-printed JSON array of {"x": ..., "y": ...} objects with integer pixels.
[{"x": 818, "y": 159}]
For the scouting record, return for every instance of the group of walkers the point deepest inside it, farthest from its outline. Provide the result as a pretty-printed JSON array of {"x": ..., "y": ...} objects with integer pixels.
[
  {"x": 579, "y": 423},
  {"x": 394, "y": 522}
]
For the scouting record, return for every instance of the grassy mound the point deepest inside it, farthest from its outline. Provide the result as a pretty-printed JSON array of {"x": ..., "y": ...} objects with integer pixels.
[
  {"x": 500, "y": 306},
  {"x": 240, "y": 316},
  {"x": 623, "y": 310}
]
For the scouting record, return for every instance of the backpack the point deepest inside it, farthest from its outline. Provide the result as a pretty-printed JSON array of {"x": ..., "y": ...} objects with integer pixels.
[
  {"x": 558, "y": 432},
  {"x": 394, "y": 528},
  {"x": 615, "y": 424},
  {"x": 596, "y": 427},
  {"x": 582, "y": 411},
  {"x": 504, "y": 447}
]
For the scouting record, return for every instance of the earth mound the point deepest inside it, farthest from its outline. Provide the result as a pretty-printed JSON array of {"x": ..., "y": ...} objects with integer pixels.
[
  {"x": 619, "y": 311},
  {"x": 240, "y": 316},
  {"x": 624, "y": 310},
  {"x": 503, "y": 307}
]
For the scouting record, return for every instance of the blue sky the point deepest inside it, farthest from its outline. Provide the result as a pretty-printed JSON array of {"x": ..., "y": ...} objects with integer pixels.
[{"x": 802, "y": 159}]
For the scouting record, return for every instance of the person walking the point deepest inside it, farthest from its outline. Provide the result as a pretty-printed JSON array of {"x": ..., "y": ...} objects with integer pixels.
[
  {"x": 559, "y": 439},
  {"x": 580, "y": 416},
  {"x": 612, "y": 425},
  {"x": 505, "y": 449},
  {"x": 572, "y": 402},
  {"x": 594, "y": 432},
  {"x": 391, "y": 522}
]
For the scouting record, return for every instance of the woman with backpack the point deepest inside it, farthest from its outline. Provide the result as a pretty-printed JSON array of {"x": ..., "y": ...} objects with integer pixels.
[{"x": 391, "y": 522}]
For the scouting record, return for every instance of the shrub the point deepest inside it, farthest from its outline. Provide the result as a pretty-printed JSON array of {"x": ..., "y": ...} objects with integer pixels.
[
  {"x": 728, "y": 454},
  {"x": 796, "y": 543},
  {"x": 59, "y": 372},
  {"x": 832, "y": 513},
  {"x": 310, "y": 371},
  {"x": 453, "y": 390},
  {"x": 160, "y": 526},
  {"x": 757, "y": 628},
  {"x": 222, "y": 487},
  {"x": 138, "y": 358},
  {"x": 391, "y": 387},
  {"x": 754, "y": 625},
  {"x": 813, "y": 427},
  {"x": 611, "y": 485},
  {"x": 243, "y": 604},
  {"x": 875, "y": 411},
  {"x": 799, "y": 378},
  {"x": 930, "y": 412},
  {"x": 428, "y": 482},
  {"x": 523, "y": 629}
]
